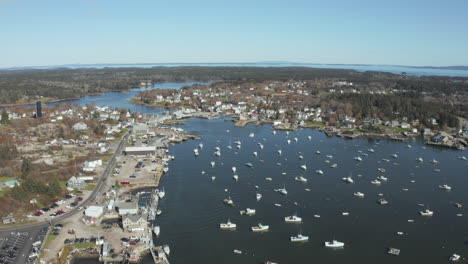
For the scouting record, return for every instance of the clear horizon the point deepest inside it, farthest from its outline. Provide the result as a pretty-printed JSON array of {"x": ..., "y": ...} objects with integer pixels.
[{"x": 54, "y": 33}]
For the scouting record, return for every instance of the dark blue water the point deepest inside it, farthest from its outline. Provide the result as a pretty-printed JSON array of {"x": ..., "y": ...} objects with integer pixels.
[{"x": 193, "y": 207}]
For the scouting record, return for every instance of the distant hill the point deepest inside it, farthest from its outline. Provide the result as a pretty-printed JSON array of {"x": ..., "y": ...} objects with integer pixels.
[{"x": 462, "y": 68}]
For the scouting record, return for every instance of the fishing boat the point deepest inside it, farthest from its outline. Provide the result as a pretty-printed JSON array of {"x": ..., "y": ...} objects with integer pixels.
[
  {"x": 217, "y": 148},
  {"x": 167, "y": 249},
  {"x": 252, "y": 135},
  {"x": 395, "y": 156},
  {"x": 334, "y": 165},
  {"x": 329, "y": 157},
  {"x": 299, "y": 238},
  {"x": 259, "y": 196},
  {"x": 382, "y": 201},
  {"x": 319, "y": 172},
  {"x": 255, "y": 153},
  {"x": 237, "y": 142},
  {"x": 426, "y": 212},
  {"x": 348, "y": 179},
  {"x": 393, "y": 251},
  {"x": 213, "y": 178},
  {"x": 162, "y": 193},
  {"x": 301, "y": 157},
  {"x": 227, "y": 225},
  {"x": 200, "y": 145},
  {"x": 301, "y": 179},
  {"x": 454, "y": 257},
  {"x": 317, "y": 152},
  {"x": 283, "y": 190},
  {"x": 217, "y": 153},
  {"x": 228, "y": 202},
  {"x": 419, "y": 160},
  {"x": 381, "y": 169},
  {"x": 236, "y": 177},
  {"x": 293, "y": 219},
  {"x": 371, "y": 150},
  {"x": 317, "y": 216},
  {"x": 268, "y": 179},
  {"x": 358, "y": 158},
  {"x": 156, "y": 230},
  {"x": 458, "y": 205},
  {"x": 158, "y": 212},
  {"x": 445, "y": 187},
  {"x": 383, "y": 178},
  {"x": 309, "y": 137},
  {"x": 434, "y": 161},
  {"x": 279, "y": 151},
  {"x": 248, "y": 164},
  {"x": 359, "y": 194},
  {"x": 239, "y": 146},
  {"x": 289, "y": 141},
  {"x": 165, "y": 169},
  {"x": 237, "y": 251},
  {"x": 249, "y": 211},
  {"x": 234, "y": 169},
  {"x": 260, "y": 228},
  {"x": 345, "y": 213},
  {"x": 195, "y": 151},
  {"x": 296, "y": 139},
  {"x": 212, "y": 164},
  {"x": 304, "y": 167},
  {"x": 334, "y": 244},
  {"x": 261, "y": 146}
]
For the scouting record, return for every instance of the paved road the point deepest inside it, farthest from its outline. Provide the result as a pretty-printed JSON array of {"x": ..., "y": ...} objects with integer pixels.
[{"x": 33, "y": 228}]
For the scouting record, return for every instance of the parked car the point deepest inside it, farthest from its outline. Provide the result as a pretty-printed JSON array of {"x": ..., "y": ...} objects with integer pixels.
[{"x": 125, "y": 182}]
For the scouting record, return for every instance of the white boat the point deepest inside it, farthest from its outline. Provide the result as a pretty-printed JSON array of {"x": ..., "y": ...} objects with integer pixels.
[
  {"x": 227, "y": 225},
  {"x": 359, "y": 194},
  {"x": 454, "y": 257},
  {"x": 304, "y": 167},
  {"x": 334, "y": 165},
  {"x": 200, "y": 145},
  {"x": 195, "y": 151},
  {"x": 309, "y": 137},
  {"x": 370, "y": 150},
  {"x": 400, "y": 233},
  {"x": 252, "y": 135},
  {"x": 301, "y": 179},
  {"x": 348, "y": 179},
  {"x": 229, "y": 202},
  {"x": 395, "y": 156},
  {"x": 237, "y": 251},
  {"x": 217, "y": 153},
  {"x": 260, "y": 228},
  {"x": 165, "y": 169},
  {"x": 268, "y": 179},
  {"x": 293, "y": 219},
  {"x": 277, "y": 204},
  {"x": 301, "y": 157},
  {"x": 274, "y": 132},
  {"x": 319, "y": 172},
  {"x": 307, "y": 190},
  {"x": 376, "y": 182},
  {"x": 237, "y": 142},
  {"x": 334, "y": 244},
  {"x": 426, "y": 212},
  {"x": 317, "y": 152},
  {"x": 345, "y": 213},
  {"x": 212, "y": 164},
  {"x": 229, "y": 147},
  {"x": 236, "y": 177},
  {"x": 283, "y": 173},
  {"x": 260, "y": 145},
  {"x": 279, "y": 151},
  {"x": 383, "y": 178},
  {"x": 358, "y": 158},
  {"x": 419, "y": 160},
  {"x": 249, "y": 211},
  {"x": 217, "y": 148},
  {"x": 255, "y": 153},
  {"x": 317, "y": 216},
  {"x": 162, "y": 193},
  {"x": 381, "y": 169},
  {"x": 296, "y": 139},
  {"x": 259, "y": 196},
  {"x": 462, "y": 157},
  {"x": 156, "y": 230},
  {"x": 238, "y": 146},
  {"x": 382, "y": 201},
  {"x": 329, "y": 157},
  {"x": 213, "y": 178},
  {"x": 445, "y": 187},
  {"x": 408, "y": 146},
  {"x": 289, "y": 141},
  {"x": 283, "y": 190},
  {"x": 248, "y": 164},
  {"x": 167, "y": 249},
  {"x": 299, "y": 238},
  {"x": 234, "y": 169},
  {"x": 158, "y": 212}
]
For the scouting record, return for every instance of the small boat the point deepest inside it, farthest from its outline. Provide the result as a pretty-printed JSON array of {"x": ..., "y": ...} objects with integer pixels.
[
  {"x": 283, "y": 173},
  {"x": 454, "y": 257},
  {"x": 259, "y": 196},
  {"x": 329, "y": 156},
  {"x": 381, "y": 169},
  {"x": 400, "y": 233},
  {"x": 334, "y": 165},
  {"x": 304, "y": 167},
  {"x": 212, "y": 164},
  {"x": 319, "y": 172},
  {"x": 359, "y": 194},
  {"x": 307, "y": 190},
  {"x": 434, "y": 161},
  {"x": 371, "y": 150},
  {"x": 260, "y": 145},
  {"x": 217, "y": 153},
  {"x": 296, "y": 139},
  {"x": 236, "y": 177},
  {"x": 283, "y": 190},
  {"x": 458, "y": 205},
  {"x": 317, "y": 216},
  {"x": 274, "y": 132},
  {"x": 383, "y": 178},
  {"x": 317, "y": 152},
  {"x": 237, "y": 251},
  {"x": 213, "y": 178},
  {"x": 419, "y": 160},
  {"x": 395, "y": 156},
  {"x": 445, "y": 187},
  {"x": 200, "y": 145},
  {"x": 158, "y": 212},
  {"x": 255, "y": 153},
  {"x": 376, "y": 182},
  {"x": 217, "y": 148},
  {"x": 260, "y": 228},
  {"x": 348, "y": 179},
  {"x": 277, "y": 204},
  {"x": 289, "y": 141},
  {"x": 358, "y": 158},
  {"x": 408, "y": 146},
  {"x": 227, "y": 225},
  {"x": 301, "y": 179},
  {"x": 252, "y": 135},
  {"x": 161, "y": 194},
  {"x": 426, "y": 212},
  {"x": 228, "y": 202},
  {"x": 309, "y": 137},
  {"x": 345, "y": 213},
  {"x": 167, "y": 249},
  {"x": 462, "y": 157},
  {"x": 195, "y": 151},
  {"x": 229, "y": 147},
  {"x": 268, "y": 179},
  {"x": 334, "y": 244},
  {"x": 301, "y": 157},
  {"x": 165, "y": 169},
  {"x": 156, "y": 230},
  {"x": 299, "y": 238},
  {"x": 248, "y": 164},
  {"x": 382, "y": 201},
  {"x": 405, "y": 189},
  {"x": 393, "y": 251},
  {"x": 410, "y": 221},
  {"x": 279, "y": 151},
  {"x": 293, "y": 219},
  {"x": 237, "y": 142},
  {"x": 247, "y": 211},
  {"x": 234, "y": 169}
]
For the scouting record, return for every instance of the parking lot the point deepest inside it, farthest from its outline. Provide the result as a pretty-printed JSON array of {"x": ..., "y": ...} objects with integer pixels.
[{"x": 11, "y": 246}]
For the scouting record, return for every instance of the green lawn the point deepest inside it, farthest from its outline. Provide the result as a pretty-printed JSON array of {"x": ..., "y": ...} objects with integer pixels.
[
  {"x": 3, "y": 179},
  {"x": 84, "y": 245},
  {"x": 90, "y": 187}
]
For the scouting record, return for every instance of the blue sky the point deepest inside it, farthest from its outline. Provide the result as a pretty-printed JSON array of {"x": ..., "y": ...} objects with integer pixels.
[{"x": 410, "y": 32}]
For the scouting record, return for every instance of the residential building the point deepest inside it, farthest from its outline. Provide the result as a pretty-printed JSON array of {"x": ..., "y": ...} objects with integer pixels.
[
  {"x": 135, "y": 222},
  {"x": 76, "y": 183}
]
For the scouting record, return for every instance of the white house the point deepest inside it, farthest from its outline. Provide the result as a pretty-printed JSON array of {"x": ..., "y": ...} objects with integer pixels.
[
  {"x": 94, "y": 211},
  {"x": 91, "y": 165},
  {"x": 80, "y": 126},
  {"x": 128, "y": 208}
]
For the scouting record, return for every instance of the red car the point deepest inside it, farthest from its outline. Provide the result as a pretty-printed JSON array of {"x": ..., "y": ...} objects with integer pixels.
[
  {"x": 125, "y": 182},
  {"x": 60, "y": 212},
  {"x": 39, "y": 213},
  {"x": 79, "y": 199}
]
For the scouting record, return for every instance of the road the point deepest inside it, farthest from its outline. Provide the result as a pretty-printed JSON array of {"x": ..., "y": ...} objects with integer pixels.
[{"x": 35, "y": 227}]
